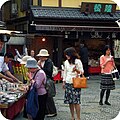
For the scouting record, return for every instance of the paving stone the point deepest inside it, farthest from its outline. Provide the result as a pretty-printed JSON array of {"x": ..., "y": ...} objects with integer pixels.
[{"x": 90, "y": 109}]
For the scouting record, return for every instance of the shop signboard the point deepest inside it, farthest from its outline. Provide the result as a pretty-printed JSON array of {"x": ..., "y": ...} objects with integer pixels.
[{"x": 98, "y": 7}]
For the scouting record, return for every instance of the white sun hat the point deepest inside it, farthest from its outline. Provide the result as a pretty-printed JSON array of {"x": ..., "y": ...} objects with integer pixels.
[
  {"x": 32, "y": 63},
  {"x": 43, "y": 52},
  {"x": 24, "y": 59}
]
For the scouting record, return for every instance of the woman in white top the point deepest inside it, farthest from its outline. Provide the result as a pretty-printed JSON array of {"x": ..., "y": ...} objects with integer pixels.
[{"x": 73, "y": 67}]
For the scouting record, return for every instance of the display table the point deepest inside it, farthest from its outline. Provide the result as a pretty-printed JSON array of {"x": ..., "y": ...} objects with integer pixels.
[
  {"x": 12, "y": 109},
  {"x": 93, "y": 70}
]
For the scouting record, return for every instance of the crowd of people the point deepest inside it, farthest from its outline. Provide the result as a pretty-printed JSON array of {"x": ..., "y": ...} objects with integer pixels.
[
  {"x": 45, "y": 67},
  {"x": 29, "y": 63},
  {"x": 75, "y": 64}
]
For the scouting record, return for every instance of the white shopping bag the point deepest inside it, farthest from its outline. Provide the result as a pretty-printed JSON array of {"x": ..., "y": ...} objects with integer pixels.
[{"x": 115, "y": 74}]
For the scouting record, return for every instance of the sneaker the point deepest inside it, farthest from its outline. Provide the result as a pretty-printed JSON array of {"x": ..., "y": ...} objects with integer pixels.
[
  {"x": 107, "y": 103},
  {"x": 52, "y": 115}
]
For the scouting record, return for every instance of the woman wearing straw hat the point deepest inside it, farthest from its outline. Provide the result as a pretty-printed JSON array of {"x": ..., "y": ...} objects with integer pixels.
[
  {"x": 39, "y": 80},
  {"x": 47, "y": 65}
]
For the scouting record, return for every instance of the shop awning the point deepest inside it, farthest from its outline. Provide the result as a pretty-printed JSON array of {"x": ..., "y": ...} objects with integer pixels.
[
  {"x": 74, "y": 28},
  {"x": 16, "y": 41},
  {"x": 10, "y": 32}
]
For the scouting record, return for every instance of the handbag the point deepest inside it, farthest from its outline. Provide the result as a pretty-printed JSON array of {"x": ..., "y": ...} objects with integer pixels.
[
  {"x": 32, "y": 105},
  {"x": 115, "y": 74},
  {"x": 80, "y": 82},
  {"x": 50, "y": 87}
]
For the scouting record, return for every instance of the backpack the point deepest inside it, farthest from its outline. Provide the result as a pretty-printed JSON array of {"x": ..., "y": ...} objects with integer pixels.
[{"x": 50, "y": 87}]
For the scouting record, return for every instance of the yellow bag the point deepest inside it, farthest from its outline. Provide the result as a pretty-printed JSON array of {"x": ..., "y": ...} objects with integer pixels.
[{"x": 80, "y": 82}]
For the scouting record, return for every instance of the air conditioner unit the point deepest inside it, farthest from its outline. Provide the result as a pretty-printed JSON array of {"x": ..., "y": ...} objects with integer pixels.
[{"x": 14, "y": 9}]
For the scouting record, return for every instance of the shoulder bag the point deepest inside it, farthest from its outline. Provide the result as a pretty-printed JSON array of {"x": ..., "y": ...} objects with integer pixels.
[
  {"x": 50, "y": 87},
  {"x": 32, "y": 105}
]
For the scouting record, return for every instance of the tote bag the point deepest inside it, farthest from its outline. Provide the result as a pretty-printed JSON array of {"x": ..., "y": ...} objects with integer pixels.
[
  {"x": 32, "y": 106},
  {"x": 80, "y": 82},
  {"x": 115, "y": 74}
]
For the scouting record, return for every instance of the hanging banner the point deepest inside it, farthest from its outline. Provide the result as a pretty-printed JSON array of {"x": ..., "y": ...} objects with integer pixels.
[{"x": 116, "y": 48}]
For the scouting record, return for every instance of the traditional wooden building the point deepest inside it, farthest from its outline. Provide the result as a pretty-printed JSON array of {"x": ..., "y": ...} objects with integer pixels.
[{"x": 57, "y": 24}]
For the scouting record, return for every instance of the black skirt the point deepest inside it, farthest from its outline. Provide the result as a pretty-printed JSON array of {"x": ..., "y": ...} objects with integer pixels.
[
  {"x": 107, "y": 82},
  {"x": 50, "y": 106}
]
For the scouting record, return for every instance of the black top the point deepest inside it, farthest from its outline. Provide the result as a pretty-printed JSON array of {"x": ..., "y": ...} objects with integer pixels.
[
  {"x": 48, "y": 68},
  {"x": 84, "y": 54}
]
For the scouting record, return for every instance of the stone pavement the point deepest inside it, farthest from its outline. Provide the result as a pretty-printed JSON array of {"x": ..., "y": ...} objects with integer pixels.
[{"x": 90, "y": 109}]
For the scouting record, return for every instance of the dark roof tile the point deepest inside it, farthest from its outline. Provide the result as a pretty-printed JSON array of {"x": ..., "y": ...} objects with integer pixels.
[{"x": 70, "y": 13}]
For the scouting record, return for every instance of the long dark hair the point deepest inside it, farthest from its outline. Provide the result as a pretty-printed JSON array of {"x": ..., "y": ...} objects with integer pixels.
[
  {"x": 105, "y": 49},
  {"x": 71, "y": 52}
]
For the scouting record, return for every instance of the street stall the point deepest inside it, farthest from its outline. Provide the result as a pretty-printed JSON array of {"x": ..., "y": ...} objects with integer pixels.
[
  {"x": 94, "y": 67},
  {"x": 12, "y": 98},
  {"x": 95, "y": 47},
  {"x": 12, "y": 95}
]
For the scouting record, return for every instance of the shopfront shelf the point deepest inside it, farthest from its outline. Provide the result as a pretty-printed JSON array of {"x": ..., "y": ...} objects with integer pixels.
[{"x": 93, "y": 70}]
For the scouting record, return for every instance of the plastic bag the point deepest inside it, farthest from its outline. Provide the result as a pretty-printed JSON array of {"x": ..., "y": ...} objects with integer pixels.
[{"x": 55, "y": 71}]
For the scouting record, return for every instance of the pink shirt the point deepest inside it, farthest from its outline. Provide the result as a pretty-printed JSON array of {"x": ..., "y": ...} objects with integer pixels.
[
  {"x": 40, "y": 79},
  {"x": 106, "y": 67}
]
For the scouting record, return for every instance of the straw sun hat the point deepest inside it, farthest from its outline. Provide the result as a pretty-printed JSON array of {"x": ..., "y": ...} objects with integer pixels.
[
  {"x": 43, "y": 52},
  {"x": 24, "y": 59},
  {"x": 31, "y": 63}
]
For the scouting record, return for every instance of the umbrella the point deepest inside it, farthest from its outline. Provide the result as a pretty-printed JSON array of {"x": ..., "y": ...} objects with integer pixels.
[
  {"x": 117, "y": 2},
  {"x": 2, "y": 2}
]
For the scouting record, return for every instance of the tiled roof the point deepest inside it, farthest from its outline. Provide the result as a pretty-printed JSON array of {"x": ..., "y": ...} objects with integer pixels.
[{"x": 70, "y": 13}]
